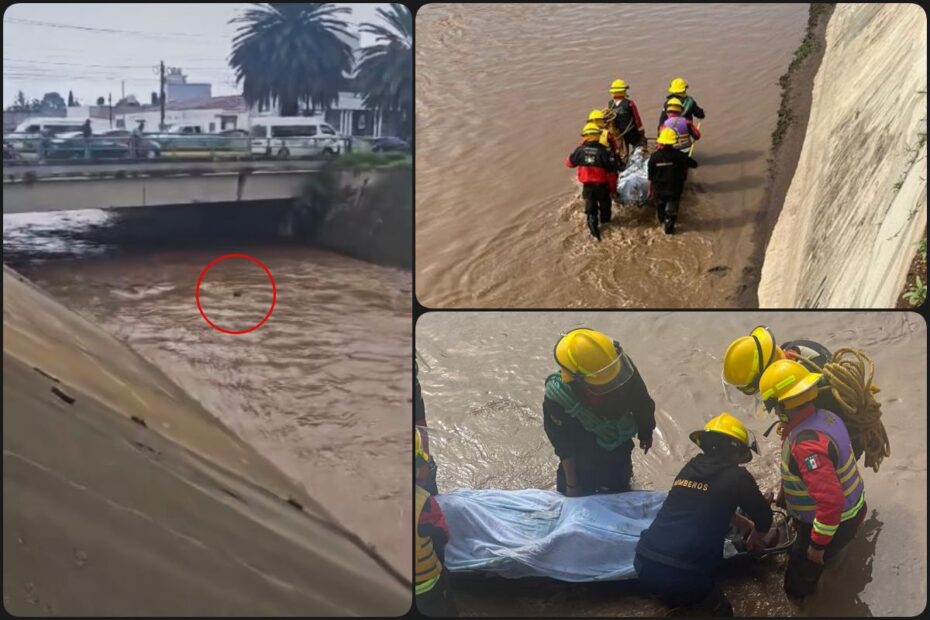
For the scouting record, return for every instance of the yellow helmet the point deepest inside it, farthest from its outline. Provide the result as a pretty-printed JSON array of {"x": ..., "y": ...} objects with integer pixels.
[
  {"x": 678, "y": 86},
  {"x": 731, "y": 427},
  {"x": 748, "y": 357},
  {"x": 594, "y": 358},
  {"x": 591, "y": 129},
  {"x": 667, "y": 136},
  {"x": 618, "y": 86},
  {"x": 790, "y": 383},
  {"x": 673, "y": 104},
  {"x": 596, "y": 115},
  {"x": 418, "y": 451}
]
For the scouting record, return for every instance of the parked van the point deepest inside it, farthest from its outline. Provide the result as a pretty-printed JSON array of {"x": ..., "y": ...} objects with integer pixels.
[
  {"x": 57, "y": 125},
  {"x": 295, "y": 136}
]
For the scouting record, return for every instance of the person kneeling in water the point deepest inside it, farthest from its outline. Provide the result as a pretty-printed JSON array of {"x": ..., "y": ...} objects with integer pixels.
[{"x": 678, "y": 554}]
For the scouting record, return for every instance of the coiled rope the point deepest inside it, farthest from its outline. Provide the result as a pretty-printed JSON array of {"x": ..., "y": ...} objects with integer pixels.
[{"x": 850, "y": 375}]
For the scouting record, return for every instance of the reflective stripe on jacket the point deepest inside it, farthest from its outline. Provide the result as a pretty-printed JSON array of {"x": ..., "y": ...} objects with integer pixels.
[{"x": 428, "y": 567}]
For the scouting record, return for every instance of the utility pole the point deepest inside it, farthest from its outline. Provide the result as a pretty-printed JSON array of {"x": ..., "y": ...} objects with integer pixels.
[
  {"x": 110, "y": 102},
  {"x": 122, "y": 89},
  {"x": 161, "y": 96}
]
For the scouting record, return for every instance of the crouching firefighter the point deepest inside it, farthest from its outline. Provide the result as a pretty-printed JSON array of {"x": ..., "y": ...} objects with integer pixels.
[
  {"x": 821, "y": 485},
  {"x": 678, "y": 554},
  {"x": 597, "y": 173},
  {"x": 431, "y": 534}
]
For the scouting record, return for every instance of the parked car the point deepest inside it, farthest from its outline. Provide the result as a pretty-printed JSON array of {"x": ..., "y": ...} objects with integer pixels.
[
  {"x": 184, "y": 130},
  {"x": 295, "y": 136},
  {"x": 235, "y": 133},
  {"x": 145, "y": 148},
  {"x": 76, "y": 148},
  {"x": 389, "y": 144}
]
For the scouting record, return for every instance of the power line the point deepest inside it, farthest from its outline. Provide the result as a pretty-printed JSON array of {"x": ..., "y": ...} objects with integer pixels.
[
  {"x": 34, "y": 22},
  {"x": 107, "y": 66}
]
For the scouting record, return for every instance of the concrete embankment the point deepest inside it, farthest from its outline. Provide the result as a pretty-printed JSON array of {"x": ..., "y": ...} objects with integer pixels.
[
  {"x": 857, "y": 204},
  {"x": 365, "y": 214},
  {"x": 123, "y": 496}
]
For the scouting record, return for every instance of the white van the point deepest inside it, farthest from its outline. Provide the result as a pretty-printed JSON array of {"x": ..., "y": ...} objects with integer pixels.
[
  {"x": 295, "y": 136},
  {"x": 55, "y": 125}
]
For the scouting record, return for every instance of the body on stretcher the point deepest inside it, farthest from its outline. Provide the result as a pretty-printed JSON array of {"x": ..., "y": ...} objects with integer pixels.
[{"x": 535, "y": 533}]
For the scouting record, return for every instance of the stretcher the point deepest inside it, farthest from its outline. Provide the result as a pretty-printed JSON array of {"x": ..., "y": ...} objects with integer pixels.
[{"x": 535, "y": 533}]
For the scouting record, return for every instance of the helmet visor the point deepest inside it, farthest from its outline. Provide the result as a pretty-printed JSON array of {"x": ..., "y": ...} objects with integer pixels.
[
  {"x": 610, "y": 377},
  {"x": 742, "y": 400}
]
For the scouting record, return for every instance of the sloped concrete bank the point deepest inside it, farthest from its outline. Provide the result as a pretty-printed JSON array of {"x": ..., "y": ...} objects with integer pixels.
[
  {"x": 123, "y": 496},
  {"x": 857, "y": 203}
]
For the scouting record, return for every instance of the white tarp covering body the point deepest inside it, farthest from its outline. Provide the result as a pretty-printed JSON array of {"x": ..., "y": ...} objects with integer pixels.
[
  {"x": 534, "y": 533},
  {"x": 633, "y": 182}
]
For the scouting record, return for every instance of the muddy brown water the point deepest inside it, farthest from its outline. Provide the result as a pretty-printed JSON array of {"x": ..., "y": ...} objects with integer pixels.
[
  {"x": 322, "y": 389},
  {"x": 482, "y": 379},
  {"x": 502, "y": 92}
]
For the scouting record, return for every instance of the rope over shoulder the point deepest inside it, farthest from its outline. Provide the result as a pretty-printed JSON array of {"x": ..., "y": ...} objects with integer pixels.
[{"x": 850, "y": 375}]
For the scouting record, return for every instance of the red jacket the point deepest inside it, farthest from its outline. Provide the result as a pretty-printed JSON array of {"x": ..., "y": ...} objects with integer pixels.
[
  {"x": 822, "y": 482},
  {"x": 433, "y": 523},
  {"x": 596, "y": 164}
]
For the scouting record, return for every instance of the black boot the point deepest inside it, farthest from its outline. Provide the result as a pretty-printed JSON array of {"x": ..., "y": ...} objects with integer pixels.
[
  {"x": 660, "y": 212},
  {"x": 669, "y": 225},
  {"x": 592, "y": 226}
]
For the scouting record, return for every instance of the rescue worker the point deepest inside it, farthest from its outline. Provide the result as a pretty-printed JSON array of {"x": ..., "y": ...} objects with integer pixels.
[
  {"x": 684, "y": 128},
  {"x": 747, "y": 358},
  {"x": 678, "y": 89},
  {"x": 626, "y": 121},
  {"x": 822, "y": 489},
  {"x": 433, "y": 596},
  {"x": 419, "y": 421},
  {"x": 593, "y": 408},
  {"x": 607, "y": 138},
  {"x": 597, "y": 172},
  {"x": 678, "y": 554},
  {"x": 667, "y": 171}
]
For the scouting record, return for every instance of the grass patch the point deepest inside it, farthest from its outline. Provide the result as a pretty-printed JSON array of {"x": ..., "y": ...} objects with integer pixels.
[
  {"x": 915, "y": 287},
  {"x": 807, "y": 47},
  {"x": 373, "y": 160}
]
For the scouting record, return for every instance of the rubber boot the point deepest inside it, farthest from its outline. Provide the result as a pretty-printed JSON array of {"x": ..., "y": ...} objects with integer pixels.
[
  {"x": 802, "y": 576},
  {"x": 660, "y": 212},
  {"x": 669, "y": 225},
  {"x": 592, "y": 226},
  {"x": 605, "y": 216}
]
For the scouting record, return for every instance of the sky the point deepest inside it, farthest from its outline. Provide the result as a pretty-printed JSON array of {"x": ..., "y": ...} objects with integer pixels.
[{"x": 93, "y": 49}]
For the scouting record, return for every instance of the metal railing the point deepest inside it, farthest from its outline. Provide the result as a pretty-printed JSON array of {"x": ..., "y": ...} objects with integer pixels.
[{"x": 64, "y": 149}]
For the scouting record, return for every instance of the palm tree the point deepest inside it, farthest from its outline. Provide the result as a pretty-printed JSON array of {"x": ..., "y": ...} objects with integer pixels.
[
  {"x": 385, "y": 70},
  {"x": 291, "y": 53}
]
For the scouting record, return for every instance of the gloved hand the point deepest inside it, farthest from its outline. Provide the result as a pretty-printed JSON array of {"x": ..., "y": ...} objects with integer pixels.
[
  {"x": 645, "y": 444},
  {"x": 815, "y": 555}
]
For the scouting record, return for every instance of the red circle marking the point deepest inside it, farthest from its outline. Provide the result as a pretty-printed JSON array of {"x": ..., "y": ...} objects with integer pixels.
[{"x": 274, "y": 293}]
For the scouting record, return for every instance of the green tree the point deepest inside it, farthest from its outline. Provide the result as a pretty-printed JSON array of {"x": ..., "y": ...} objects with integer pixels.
[
  {"x": 101, "y": 101},
  {"x": 52, "y": 102},
  {"x": 291, "y": 53},
  {"x": 385, "y": 70}
]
